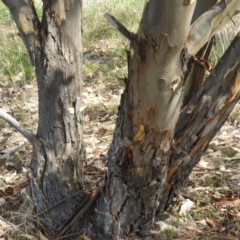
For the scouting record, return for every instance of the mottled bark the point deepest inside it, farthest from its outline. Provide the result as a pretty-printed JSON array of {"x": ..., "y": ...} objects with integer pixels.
[
  {"x": 27, "y": 22},
  {"x": 57, "y": 167},
  {"x": 209, "y": 23},
  {"x": 148, "y": 166},
  {"x": 140, "y": 152}
]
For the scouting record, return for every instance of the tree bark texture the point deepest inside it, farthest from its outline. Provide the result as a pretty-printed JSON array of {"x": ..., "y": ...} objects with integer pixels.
[
  {"x": 155, "y": 147},
  {"x": 57, "y": 167},
  {"x": 54, "y": 45},
  {"x": 140, "y": 152},
  {"x": 201, "y": 119},
  {"x": 156, "y": 142}
]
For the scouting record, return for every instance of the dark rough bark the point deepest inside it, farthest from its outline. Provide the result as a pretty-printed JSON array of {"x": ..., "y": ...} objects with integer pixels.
[
  {"x": 54, "y": 46},
  {"x": 57, "y": 163}
]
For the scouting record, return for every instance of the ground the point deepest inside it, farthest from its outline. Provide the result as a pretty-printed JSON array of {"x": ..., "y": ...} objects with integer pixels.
[{"x": 207, "y": 208}]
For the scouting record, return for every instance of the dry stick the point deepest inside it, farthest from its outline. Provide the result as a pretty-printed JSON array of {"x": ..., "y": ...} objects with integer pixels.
[
  {"x": 17, "y": 126},
  {"x": 64, "y": 228},
  {"x": 193, "y": 198},
  {"x": 13, "y": 149},
  {"x": 195, "y": 60},
  {"x": 68, "y": 235},
  {"x": 81, "y": 212},
  {"x": 93, "y": 184},
  {"x": 120, "y": 27}
]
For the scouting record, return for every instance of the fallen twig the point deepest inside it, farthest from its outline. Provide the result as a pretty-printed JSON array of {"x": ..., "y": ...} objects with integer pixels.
[
  {"x": 17, "y": 126},
  {"x": 75, "y": 194}
]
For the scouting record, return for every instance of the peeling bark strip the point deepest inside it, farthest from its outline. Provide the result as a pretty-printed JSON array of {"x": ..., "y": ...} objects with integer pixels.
[
  {"x": 54, "y": 46},
  {"x": 209, "y": 23},
  {"x": 26, "y": 19},
  {"x": 140, "y": 151}
]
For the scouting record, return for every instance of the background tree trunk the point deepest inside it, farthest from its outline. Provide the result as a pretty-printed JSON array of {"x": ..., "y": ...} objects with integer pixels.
[
  {"x": 57, "y": 164},
  {"x": 55, "y": 48}
]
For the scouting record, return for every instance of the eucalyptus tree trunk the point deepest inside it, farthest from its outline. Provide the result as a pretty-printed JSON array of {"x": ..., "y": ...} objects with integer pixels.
[
  {"x": 54, "y": 46},
  {"x": 143, "y": 139},
  {"x": 155, "y": 144}
]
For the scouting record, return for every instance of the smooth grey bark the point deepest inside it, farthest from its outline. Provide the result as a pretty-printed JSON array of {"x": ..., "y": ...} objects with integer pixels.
[
  {"x": 201, "y": 7},
  {"x": 54, "y": 46}
]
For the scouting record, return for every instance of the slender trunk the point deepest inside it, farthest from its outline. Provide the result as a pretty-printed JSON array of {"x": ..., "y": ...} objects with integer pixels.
[{"x": 197, "y": 74}]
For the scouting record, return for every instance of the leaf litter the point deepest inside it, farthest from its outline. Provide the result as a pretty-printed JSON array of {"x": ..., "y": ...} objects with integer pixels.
[{"x": 211, "y": 199}]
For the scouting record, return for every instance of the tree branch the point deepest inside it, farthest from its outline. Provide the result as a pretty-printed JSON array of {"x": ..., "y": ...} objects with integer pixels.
[
  {"x": 209, "y": 23},
  {"x": 207, "y": 111},
  {"x": 120, "y": 27},
  {"x": 17, "y": 126},
  {"x": 26, "y": 19},
  {"x": 202, "y": 118}
]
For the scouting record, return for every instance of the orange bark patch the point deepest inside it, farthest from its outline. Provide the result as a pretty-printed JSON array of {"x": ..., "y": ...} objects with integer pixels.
[
  {"x": 235, "y": 88},
  {"x": 139, "y": 134},
  {"x": 130, "y": 152},
  {"x": 172, "y": 171}
]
